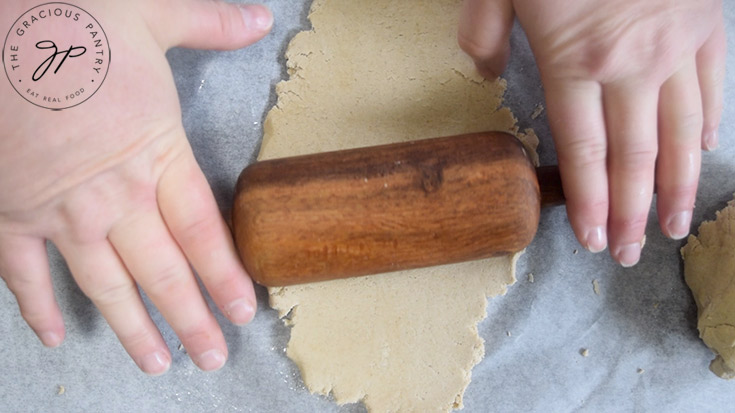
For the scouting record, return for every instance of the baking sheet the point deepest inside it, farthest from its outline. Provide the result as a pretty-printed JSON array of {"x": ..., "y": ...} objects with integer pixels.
[{"x": 640, "y": 331}]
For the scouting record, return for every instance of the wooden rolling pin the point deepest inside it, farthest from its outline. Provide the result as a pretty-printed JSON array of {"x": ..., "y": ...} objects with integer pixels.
[{"x": 388, "y": 208}]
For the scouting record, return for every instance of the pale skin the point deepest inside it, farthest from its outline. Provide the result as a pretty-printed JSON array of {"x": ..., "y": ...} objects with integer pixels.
[
  {"x": 633, "y": 89},
  {"x": 116, "y": 188},
  {"x": 114, "y": 185}
]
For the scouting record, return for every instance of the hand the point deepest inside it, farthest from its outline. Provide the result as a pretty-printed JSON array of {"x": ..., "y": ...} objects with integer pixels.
[
  {"x": 114, "y": 185},
  {"x": 633, "y": 90}
]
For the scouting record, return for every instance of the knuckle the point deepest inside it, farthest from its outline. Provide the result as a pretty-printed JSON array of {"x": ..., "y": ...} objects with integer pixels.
[
  {"x": 690, "y": 125},
  {"x": 166, "y": 281},
  {"x": 225, "y": 18},
  {"x": 592, "y": 55},
  {"x": 632, "y": 223},
  {"x": 203, "y": 228},
  {"x": 634, "y": 159},
  {"x": 200, "y": 333},
  {"x": 112, "y": 294},
  {"x": 681, "y": 193},
  {"x": 33, "y": 315},
  {"x": 617, "y": 48},
  {"x": 476, "y": 48},
  {"x": 600, "y": 63},
  {"x": 594, "y": 210},
  {"x": 21, "y": 285},
  {"x": 82, "y": 219},
  {"x": 712, "y": 114},
  {"x": 582, "y": 154},
  {"x": 137, "y": 338},
  {"x": 226, "y": 284}
]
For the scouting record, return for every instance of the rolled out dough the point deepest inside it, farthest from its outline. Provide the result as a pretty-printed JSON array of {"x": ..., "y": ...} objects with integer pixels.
[
  {"x": 369, "y": 73},
  {"x": 709, "y": 270}
]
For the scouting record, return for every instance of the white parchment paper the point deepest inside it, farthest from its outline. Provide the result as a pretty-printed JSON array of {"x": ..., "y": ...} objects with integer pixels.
[{"x": 643, "y": 351}]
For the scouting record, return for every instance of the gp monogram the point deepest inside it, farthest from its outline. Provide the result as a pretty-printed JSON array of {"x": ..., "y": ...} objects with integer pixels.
[{"x": 56, "y": 55}]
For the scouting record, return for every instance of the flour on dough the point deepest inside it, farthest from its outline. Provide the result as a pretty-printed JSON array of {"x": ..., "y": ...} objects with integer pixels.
[
  {"x": 369, "y": 73},
  {"x": 709, "y": 270}
]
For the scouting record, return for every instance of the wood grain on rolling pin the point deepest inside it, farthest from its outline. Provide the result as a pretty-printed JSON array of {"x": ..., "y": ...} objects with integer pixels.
[{"x": 385, "y": 208}]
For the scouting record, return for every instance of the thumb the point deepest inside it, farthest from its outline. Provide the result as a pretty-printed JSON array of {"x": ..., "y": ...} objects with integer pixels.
[
  {"x": 206, "y": 24},
  {"x": 484, "y": 34}
]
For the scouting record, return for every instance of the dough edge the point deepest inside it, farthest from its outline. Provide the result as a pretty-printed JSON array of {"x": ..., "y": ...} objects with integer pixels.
[{"x": 709, "y": 271}]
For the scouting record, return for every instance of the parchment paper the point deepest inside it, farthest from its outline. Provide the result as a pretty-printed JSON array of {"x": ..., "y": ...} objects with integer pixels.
[{"x": 643, "y": 318}]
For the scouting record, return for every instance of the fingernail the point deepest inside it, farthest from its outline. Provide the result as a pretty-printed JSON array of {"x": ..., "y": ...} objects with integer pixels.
[
  {"x": 628, "y": 255},
  {"x": 256, "y": 17},
  {"x": 596, "y": 239},
  {"x": 240, "y": 311},
  {"x": 155, "y": 364},
  {"x": 50, "y": 339},
  {"x": 678, "y": 225},
  {"x": 211, "y": 360},
  {"x": 711, "y": 141}
]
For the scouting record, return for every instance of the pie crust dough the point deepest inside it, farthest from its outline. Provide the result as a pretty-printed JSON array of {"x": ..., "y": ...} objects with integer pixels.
[
  {"x": 370, "y": 73},
  {"x": 709, "y": 270}
]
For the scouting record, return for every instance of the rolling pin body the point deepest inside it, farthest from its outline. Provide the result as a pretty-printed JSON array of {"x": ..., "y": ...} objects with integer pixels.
[{"x": 385, "y": 208}]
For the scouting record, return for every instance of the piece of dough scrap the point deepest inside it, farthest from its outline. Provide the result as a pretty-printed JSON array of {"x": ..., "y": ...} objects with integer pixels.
[
  {"x": 369, "y": 73},
  {"x": 709, "y": 270}
]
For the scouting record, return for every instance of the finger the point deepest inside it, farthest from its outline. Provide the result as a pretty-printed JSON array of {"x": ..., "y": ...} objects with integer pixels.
[
  {"x": 25, "y": 269},
  {"x": 202, "y": 24},
  {"x": 711, "y": 71},
  {"x": 677, "y": 172},
  {"x": 484, "y": 34},
  {"x": 192, "y": 215},
  {"x": 630, "y": 113},
  {"x": 105, "y": 280},
  {"x": 578, "y": 126},
  {"x": 158, "y": 265}
]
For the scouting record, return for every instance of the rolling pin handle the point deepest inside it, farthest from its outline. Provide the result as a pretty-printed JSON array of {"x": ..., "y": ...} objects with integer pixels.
[{"x": 549, "y": 182}]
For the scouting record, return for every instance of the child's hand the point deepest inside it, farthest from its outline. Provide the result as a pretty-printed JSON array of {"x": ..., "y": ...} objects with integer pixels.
[
  {"x": 114, "y": 185},
  {"x": 633, "y": 90}
]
